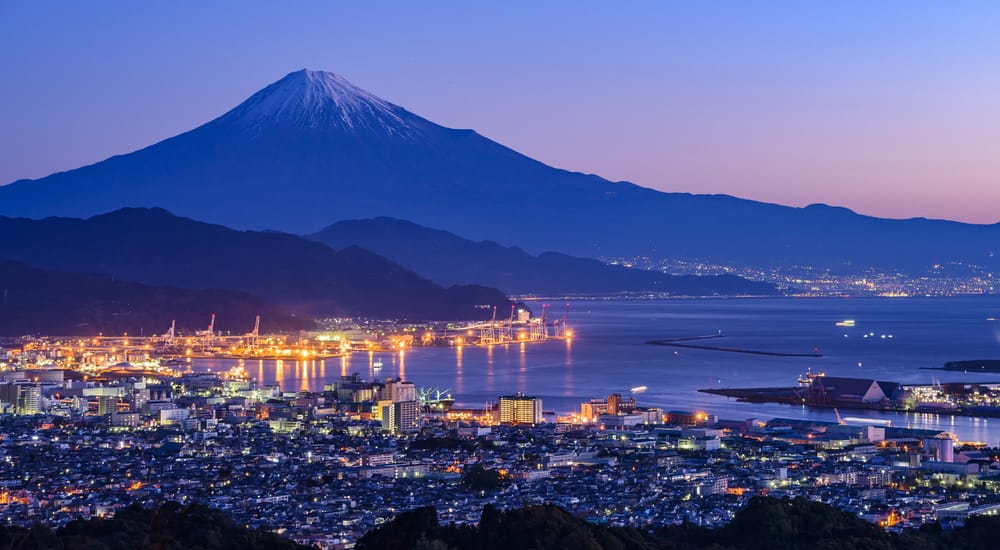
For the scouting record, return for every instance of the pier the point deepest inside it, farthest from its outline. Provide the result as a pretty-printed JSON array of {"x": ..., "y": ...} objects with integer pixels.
[
  {"x": 679, "y": 343},
  {"x": 955, "y": 399},
  {"x": 970, "y": 365},
  {"x": 758, "y": 395}
]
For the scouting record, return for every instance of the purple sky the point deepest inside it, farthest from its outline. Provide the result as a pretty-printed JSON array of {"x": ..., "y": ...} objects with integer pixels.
[{"x": 889, "y": 108}]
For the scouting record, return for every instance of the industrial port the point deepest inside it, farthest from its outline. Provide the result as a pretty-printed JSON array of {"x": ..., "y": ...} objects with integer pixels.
[
  {"x": 159, "y": 353},
  {"x": 980, "y": 399}
]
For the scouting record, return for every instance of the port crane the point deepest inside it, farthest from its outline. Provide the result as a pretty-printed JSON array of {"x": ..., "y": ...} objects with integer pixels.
[
  {"x": 208, "y": 334},
  {"x": 510, "y": 326},
  {"x": 254, "y": 334},
  {"x": 538, "y": 329},
  {"x": 516, "y": 329},
  {"x": 487, "y": 333},
  {"x": 559, "y": 327},
  {"x": 171, "y": 332},
  {"x": 493, "y": 326}
]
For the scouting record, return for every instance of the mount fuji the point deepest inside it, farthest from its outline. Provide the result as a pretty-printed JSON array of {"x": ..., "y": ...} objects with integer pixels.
[{"x": 312, "y": 149}]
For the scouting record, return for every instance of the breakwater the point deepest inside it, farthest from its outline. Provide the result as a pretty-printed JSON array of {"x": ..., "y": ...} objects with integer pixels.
[{"x": 680, "y": 343}]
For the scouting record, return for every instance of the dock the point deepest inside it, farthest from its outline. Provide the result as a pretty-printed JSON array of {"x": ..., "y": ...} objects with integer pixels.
[
  {"x": 826, "y": 392},
  {"x": 680, "y": 343}
]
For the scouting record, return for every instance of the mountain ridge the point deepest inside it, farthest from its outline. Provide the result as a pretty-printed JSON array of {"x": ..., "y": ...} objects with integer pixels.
[
  {"x": 298, "y": 177},
  {"x": 448, "y": 259},
  {"x": 64, "y": 303},
  {"x": 155, "y": 247}
]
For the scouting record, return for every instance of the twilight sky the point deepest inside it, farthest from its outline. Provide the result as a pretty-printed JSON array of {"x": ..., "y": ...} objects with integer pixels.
[{"x": 889, "y": 108}]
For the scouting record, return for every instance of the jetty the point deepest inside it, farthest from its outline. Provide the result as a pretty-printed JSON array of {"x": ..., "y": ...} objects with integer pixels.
[
  {"x": 680, "y": 343},
  {"x": 956, "y": 399}
]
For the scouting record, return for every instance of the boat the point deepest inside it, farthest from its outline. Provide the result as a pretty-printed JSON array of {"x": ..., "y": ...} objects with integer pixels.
[
  {"x": 934, "y": 406},
  {"x": 377, "y": 365},
  {"x": 807, "y": 378},
  {"x": 436, "y": 400},
  {"x": 862, "y": 421},
  {"x": 845, "y": 323},
  {"x": 237, "y": 373}
]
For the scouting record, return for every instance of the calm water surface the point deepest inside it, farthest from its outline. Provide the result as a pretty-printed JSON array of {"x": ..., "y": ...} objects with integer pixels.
[{"x": 608, "y": 354}]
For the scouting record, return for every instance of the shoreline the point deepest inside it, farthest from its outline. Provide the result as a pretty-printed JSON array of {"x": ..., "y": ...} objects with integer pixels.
[{"x": 788, "y": 396}]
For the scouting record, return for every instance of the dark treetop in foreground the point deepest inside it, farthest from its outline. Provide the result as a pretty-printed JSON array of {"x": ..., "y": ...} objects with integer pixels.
[
  {"x": 766, "y": 523},
  {"x": 171, "y": 527},
  {"x": 447, "y": 258},
  {"x": 152, "y": 246}
]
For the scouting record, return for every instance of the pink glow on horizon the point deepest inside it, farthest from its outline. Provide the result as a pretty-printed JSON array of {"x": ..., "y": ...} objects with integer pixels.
[{"x": 886, "y": 108}]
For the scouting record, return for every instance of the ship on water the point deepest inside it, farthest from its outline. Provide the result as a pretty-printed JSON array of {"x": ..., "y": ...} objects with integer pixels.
[
  {"x": 806, "y": 379},
  {"x": 237, "y": 373},
  {"x": 436, "y": 400}
]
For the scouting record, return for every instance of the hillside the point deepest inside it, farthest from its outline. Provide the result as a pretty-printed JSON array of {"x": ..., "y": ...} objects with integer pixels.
[
  {"x": 766, "y": 523},
  {"x": 152, "y": 246},
  {"x": 312, "y": 148},
  {"x": 448, "y": 259},
  {"x": 170, "y": 526},
  {"x": 36, "y": 301}
]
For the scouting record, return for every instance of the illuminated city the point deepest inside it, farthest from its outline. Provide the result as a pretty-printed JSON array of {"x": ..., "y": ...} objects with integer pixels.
[{"x": 488, "y": 276}]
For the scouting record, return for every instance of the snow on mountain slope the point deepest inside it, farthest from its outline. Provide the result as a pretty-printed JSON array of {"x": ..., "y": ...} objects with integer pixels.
[
  {"x": 312, "y": 149},
  {"x": 317, "y": 99}
]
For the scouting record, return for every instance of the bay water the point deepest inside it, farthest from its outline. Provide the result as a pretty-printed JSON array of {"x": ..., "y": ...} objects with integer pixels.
[{"x": 892, "y": 339}]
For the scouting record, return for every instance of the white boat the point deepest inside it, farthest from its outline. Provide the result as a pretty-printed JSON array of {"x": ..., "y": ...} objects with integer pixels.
[{"x": 862, "y": 421}]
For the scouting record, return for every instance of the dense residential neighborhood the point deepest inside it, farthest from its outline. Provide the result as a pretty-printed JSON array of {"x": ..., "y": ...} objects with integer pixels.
[{"x": 326, "y": 467}]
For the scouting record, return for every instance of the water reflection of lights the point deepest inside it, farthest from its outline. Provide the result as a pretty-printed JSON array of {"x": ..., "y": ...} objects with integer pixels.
[
  {"x": 433, "y": 366},
  {"x": 458, "y": 370},
  {"x": 489, "y": 368},
  {"x": 522, "y": 371}
]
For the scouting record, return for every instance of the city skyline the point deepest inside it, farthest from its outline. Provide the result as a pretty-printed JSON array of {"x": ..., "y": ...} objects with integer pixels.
[
  {"x": 886, "y": 114},
  {"x": 330, "y": 275}
]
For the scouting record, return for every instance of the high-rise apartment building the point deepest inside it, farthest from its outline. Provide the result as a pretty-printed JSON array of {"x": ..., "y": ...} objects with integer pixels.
[
  {"x": 520, "y": 409},
  {"x": 403, "y": 416}
]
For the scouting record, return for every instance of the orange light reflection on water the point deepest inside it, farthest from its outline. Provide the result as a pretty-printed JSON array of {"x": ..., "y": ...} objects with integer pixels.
[{"x": 459, "y": 386}]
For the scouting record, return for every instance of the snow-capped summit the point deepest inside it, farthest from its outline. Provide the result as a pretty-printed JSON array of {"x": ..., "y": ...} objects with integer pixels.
[
  {"x": 312, "y": 148},
  {"x": 321, "y": 100}
]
